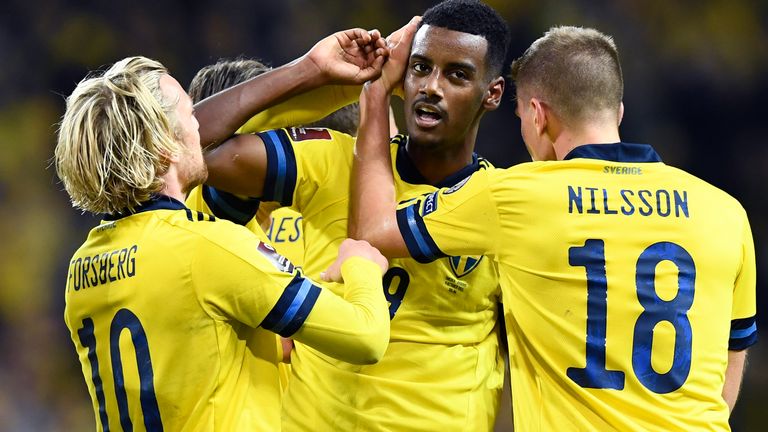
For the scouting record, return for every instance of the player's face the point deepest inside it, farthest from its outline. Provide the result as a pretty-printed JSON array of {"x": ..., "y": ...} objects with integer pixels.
[
  {"x": 445, "y": 85},
  {"x": 191, "y": 167}
]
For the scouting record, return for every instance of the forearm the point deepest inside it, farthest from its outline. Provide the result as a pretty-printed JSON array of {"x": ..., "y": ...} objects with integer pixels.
[
  {"x": 373, "y": 200},
  {"x": 354, "y": 329},
  {"x": 224, "y": 113},
  {"x": 733, "y": 376},
  {"x": 304, "y": 108}
]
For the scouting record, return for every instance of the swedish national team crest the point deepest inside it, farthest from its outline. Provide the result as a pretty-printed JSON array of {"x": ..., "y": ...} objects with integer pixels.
[{"x": 463, "y": 265}]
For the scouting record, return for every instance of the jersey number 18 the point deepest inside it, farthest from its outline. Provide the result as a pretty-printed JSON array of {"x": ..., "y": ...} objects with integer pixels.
[{"x": 655, "y": 310}]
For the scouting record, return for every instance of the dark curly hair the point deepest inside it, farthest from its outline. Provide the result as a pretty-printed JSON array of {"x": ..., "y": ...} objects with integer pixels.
[{"x": 477, "y": 18}]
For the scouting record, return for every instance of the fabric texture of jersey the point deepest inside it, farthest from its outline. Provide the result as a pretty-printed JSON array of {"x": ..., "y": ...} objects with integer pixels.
[
  {"x": 442, "y": 369},
  {"x": 625, "y": 282},
  {"x": 168, "y": 310},
  {"x": 283, "y": 231}
]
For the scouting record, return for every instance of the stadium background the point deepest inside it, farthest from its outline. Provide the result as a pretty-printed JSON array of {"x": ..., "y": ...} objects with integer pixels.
[{"x": 696, "y": 87}]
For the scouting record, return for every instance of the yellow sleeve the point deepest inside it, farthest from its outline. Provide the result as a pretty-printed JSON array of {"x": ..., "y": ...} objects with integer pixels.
[
  {"x": 461, "y": 220},
  {"x": 743, "y": 320},
  {"x": 328, "y": 326},
  {"x": 224, "y": 205},
  {"x": 302, "y": 160},
  {"x": 237, "y": 277},
  {"x": 303, "y": 109}
]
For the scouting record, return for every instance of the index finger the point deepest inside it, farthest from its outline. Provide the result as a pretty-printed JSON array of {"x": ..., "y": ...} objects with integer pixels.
[{"x": 361, "y": 36}]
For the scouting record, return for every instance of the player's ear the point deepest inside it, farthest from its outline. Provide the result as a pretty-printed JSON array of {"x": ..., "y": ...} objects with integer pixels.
[
  {"x": 539, "y": 115},
  {"x": 493, "y": 94},
  {"x": 621, "y": 112},
  {"x": 170, "y": 157}
]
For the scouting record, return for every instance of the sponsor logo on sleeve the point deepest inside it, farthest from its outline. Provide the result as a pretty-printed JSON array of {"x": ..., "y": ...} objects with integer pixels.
[
  {"x": 280, "y": 262},
  {"x": 430, "y": 203},
  {"x": 304, "y": 133}
]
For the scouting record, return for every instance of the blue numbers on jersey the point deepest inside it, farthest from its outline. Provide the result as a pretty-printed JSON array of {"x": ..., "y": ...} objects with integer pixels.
[
  {"x": 395, "y": 298},
  {"x": 655, "y": 310},
  {"x": 123, "y": 319},
  {"x": 88, "y": 340},
  {"x": 595, "y": 375}
]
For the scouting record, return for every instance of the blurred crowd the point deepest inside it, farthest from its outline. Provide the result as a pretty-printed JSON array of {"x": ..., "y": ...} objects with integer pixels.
[{"x": 694, "y": 87}]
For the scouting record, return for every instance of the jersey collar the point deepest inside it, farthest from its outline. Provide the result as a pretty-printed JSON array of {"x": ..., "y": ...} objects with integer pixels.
[
  {"x": 410, "y": 174},
  {"x": 617, "y": 152},
  {"x": 157, "y": 202}
]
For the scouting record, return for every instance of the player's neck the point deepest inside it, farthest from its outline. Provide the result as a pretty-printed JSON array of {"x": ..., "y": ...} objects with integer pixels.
[
  {"x": 172, "y": 186},
  {"x": 596, "y": 134},
  {"x": 437, "y": 163}
]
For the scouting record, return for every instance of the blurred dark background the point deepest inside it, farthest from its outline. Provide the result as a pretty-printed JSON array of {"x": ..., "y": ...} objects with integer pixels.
[{"x": 696, "y": 86}]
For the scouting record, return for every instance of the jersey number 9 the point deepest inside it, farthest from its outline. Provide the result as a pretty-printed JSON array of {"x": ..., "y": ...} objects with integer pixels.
[{"x": 395, "y": 297}]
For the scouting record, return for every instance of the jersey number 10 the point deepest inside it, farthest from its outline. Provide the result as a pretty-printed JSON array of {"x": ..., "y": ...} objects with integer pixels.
[
  {"x": 123, "y": 319},
  {"x": 675, "y": 311}
]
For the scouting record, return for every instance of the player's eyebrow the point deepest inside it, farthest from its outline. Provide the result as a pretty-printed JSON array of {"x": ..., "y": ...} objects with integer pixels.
[
  {"x": 463, "y": 65},
  {"x": 453, "y": 65}
]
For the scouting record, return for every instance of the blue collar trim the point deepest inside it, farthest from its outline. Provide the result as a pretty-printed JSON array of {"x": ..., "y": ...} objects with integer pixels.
[
  {"x": 618, "y": 152},
  {"x": 157, "y": 202},
  {"x": 410, "y": 174}
]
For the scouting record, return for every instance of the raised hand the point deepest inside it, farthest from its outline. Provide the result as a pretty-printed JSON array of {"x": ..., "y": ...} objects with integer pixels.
[
  {"x": 351, "y": 56},
  {"x": 354, "y": 248},
  {"x": 399, "y": 44}
]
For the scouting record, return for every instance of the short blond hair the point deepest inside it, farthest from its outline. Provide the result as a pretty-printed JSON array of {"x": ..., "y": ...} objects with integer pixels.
[
  {"x": 116, "y": 137},
  {"x": 576, "y": 70}
]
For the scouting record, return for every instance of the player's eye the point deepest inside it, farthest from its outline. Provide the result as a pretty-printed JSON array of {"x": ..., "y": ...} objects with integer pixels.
[
  {"x": 420, "y": 68},
  {"x": 460, "y": 75}
]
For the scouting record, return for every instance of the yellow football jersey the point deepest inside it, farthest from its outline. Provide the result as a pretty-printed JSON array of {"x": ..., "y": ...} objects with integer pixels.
[
  {"x": 442, "y": 369},
  {"x": 284, "y": 234},
  {"x": 169, "y": 309},
  {"x": 281, "y": 225},
  {"x": 625, "y": 282}
]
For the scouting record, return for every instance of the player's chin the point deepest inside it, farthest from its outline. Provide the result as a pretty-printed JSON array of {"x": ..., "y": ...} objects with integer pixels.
[
  {"x": 196, "y": 177},
  {"x": 426, "y": 138}
]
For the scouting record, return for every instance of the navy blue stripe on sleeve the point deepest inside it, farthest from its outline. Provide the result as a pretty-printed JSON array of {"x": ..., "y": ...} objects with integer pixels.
[
  {"x": 230, "y": 207},
  {"x": 292, "y": 308},
  {"x": 420, "y": 244},
  {"x": 743, "y": 333},
  {"x": 280, "y": 180}
]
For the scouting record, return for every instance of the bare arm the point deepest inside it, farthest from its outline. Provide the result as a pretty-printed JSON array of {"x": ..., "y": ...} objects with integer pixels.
[
  {"x": 373, "y": 199},
  {"x": 733, "y": 376},
  {"x": 238, "y": 166},
  {"x": 347, "y": 57}
]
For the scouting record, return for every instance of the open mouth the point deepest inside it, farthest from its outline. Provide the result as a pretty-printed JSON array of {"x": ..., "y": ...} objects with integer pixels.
[{"x": 427, "y": 116}]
